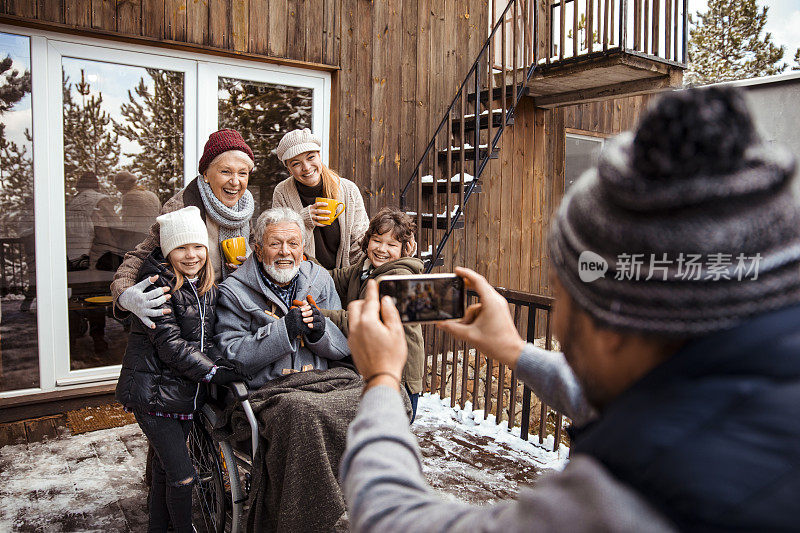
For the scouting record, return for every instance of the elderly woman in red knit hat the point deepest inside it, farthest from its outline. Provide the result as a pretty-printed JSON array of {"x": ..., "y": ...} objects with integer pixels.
[{"x": 226, "y": 206}]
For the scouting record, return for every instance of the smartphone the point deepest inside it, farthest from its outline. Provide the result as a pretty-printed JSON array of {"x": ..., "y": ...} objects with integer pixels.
[{"x": 425, "y": 297}]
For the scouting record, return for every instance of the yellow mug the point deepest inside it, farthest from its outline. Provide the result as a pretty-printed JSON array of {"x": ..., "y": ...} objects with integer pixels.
[
  {"x": 333, "y": 207},
  {"x": 233, "y": 248}
]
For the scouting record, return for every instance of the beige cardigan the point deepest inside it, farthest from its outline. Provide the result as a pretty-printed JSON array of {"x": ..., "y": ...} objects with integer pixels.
[{"x": 353, "y": 222}]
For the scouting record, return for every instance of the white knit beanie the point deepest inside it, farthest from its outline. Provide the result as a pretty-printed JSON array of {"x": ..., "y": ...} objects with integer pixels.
[
  {"x": 184, "y": 226},
  {"x": 296, "y": 142}
]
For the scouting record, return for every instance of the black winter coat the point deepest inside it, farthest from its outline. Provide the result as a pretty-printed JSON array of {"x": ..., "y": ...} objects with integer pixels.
[
  {"x": 711, "y": 437},
  {"x": 163, "y": 367}
]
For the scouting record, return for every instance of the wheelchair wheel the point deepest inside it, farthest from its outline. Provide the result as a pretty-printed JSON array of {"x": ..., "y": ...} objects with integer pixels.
[{"x": 210, "y": 503}]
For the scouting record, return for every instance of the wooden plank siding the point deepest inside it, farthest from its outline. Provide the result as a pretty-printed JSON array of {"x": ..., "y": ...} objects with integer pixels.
[
  {"x": 510, "y": 220},
  {"x": 387, "y": 100}
]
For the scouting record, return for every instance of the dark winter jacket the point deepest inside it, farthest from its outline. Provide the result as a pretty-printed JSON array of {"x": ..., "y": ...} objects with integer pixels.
[
  {"x": 350, "y": 287},
  {"x": 163, "y": 367},
  {"x": 711, "y": 437}
]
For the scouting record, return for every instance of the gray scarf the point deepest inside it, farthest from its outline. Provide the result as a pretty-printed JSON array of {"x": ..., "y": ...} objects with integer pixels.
[{"x": 232, "y": 221}]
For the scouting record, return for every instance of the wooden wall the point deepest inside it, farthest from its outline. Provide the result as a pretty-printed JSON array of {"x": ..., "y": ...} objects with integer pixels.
[
  {"x": 402, "y": 63},
  {"x": 303, "y": 30},
  {"x": 507, "y": 226},
  {"x": 609, "y": 117},
  {"x": 506, "y": 234},
  {"x": 396, "y": 64}
]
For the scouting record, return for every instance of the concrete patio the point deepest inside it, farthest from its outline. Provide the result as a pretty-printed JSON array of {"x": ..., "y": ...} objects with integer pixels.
[{"x": 94, "y": 481}]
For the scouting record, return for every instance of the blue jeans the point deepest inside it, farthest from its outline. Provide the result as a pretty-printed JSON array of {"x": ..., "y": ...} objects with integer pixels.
[
  {"x": 170, "y": 497},
  {"x": 414, "y": 398}
]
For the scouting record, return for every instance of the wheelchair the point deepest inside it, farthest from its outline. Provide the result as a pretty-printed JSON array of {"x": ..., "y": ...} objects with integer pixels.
[{"x": 223, "y": 473}]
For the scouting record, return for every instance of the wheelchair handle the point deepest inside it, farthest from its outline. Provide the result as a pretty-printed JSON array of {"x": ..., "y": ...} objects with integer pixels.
[{"x": 239, "y": 390}]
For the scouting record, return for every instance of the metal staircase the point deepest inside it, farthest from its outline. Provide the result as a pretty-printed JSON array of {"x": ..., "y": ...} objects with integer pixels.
[
  {"x": 590, "y": 50},
  {"x": 449, "y": 171}
]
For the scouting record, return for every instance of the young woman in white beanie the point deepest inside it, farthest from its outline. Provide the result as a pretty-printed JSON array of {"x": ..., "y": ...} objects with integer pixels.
[
  {"x": 165, "y": 364},
  {"x": 334, "y": 244}
]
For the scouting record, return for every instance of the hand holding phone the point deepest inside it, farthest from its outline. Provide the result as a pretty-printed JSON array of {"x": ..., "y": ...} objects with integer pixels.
[
  {"x": 487, "y": 325},
  {"x": 422, "y": 298},
  {"x": 377, "y": 340}
]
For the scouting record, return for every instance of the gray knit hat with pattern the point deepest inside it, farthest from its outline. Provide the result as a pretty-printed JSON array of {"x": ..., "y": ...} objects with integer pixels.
[{"x": 695, "y": 201}]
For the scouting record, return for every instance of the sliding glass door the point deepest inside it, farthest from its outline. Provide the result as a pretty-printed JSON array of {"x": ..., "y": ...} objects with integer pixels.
[
  {"x": 120, "y": 155},
  {"x": 95, "y": 136}
]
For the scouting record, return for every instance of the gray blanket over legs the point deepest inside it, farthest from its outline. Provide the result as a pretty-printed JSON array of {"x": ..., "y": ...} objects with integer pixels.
[{"x": 303, "y": 421}]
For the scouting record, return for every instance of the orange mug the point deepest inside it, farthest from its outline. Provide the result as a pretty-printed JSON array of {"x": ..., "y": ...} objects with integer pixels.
[
  {"x": 234, "y": 247},
  {"x": 333, "y": 207}
]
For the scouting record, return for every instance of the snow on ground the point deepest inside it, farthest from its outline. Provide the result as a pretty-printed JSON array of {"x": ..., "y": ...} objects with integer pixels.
[
  {"x": 94, "y": 481},
  {"x": 475, "y": 460},
  {"x": 88, "y": 482}
]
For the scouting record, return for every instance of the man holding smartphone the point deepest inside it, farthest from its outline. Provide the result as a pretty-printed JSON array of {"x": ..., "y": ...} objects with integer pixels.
[{"x": 684, "y": 389}]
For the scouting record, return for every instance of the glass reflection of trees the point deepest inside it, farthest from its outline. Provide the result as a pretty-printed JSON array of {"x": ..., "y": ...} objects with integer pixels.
[
  {"x": 263, "y": 113},
  {"x": 19, "y": 358},
  {"x": 123, "y": 158}
]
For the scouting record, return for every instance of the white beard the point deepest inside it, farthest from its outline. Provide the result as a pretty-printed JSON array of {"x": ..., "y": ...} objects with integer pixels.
[{"x": 281, "y": 276}]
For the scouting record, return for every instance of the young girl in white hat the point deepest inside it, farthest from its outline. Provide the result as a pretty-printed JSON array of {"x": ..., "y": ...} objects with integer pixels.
[{"x": 165, "y": 364}]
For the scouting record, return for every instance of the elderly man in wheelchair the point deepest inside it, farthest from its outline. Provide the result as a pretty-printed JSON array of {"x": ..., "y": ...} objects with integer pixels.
[{"x": 285, "y": 432}]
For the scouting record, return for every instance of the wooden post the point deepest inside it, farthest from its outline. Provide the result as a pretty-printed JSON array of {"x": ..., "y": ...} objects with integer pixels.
[
  {"x": 667, "y": 28},
  {"x": 590, "y": 25},
  {"x": 656, "y": 24},
  {"x": 685, "y": 29},
  {"x": 646, "y": 24},
  {"x": 574, "y": 28},
  {"x": 487, "y": 389},
  {"x": 605, "y": 25},
  {"x": 562, "y": 16}
]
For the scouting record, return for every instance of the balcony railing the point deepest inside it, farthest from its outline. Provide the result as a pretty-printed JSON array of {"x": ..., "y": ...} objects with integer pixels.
[
  {"x": 657, "y": 28},
  {"x": 457, "y": 370}
]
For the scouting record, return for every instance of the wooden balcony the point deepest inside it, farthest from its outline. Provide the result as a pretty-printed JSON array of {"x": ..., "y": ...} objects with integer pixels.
[
  {"x": 589, "y": 50},
  {"x": 600, "y": 76}
]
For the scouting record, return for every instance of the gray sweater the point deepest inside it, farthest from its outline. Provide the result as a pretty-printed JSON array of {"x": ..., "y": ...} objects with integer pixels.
[
  {"x": 385, "y": 490},
  {"x": 251, "y": 329}
]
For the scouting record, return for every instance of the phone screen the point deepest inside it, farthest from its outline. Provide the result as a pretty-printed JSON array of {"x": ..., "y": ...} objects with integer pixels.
[{"x": 425, "y": 298}]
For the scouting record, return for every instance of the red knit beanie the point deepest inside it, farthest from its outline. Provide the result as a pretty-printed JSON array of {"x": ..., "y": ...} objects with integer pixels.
[{"x": 223, "y": 141}]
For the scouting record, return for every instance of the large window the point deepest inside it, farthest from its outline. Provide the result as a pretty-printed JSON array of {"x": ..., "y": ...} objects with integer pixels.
[
  {"x": 19, "y": 357},
  {"x": 117, "y": 130}
]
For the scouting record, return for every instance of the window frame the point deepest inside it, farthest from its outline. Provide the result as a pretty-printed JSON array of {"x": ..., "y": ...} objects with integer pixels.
[{"x": 582, "y": 135}]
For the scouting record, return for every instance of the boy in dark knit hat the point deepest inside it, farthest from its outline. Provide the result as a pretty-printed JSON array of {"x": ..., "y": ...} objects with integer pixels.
[{"x": 677, "y": 275}]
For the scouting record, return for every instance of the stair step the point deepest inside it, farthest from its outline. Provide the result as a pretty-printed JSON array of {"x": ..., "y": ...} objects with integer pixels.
[
  {"x": 455, "y": 188},
  {"x": 441, "y": 184},
  {"x": 469, "y": 121},
  {"x": 427, "y": 263},
  {"x": 497, "y": 93},
  {"x": 441, "y": 221},
  {"x": 469, "y": 154}
]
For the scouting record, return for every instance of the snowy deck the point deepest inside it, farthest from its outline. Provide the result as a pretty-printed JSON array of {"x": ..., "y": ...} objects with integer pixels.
[{"x": 94, "y": 481}]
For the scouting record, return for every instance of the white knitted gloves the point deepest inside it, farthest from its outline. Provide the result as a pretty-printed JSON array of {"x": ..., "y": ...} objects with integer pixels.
[{"x": 144, "y": 304}]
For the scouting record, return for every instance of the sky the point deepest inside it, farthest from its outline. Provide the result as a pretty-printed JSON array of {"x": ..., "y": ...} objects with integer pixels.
[{"x": 783, "y": 22}]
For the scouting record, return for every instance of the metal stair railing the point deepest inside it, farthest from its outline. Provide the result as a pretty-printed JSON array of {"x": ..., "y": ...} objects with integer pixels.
[
  {"x": 498, "y": 79},
  {"x": 491, "y": 63}
]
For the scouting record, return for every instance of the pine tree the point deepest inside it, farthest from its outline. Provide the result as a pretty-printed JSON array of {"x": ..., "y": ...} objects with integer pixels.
[
  {"x": 263, "y": 113},
  {"x": 90, "y": 143},
  {"x": 16, "y": 164},
  {"x": 728, "y": 43},
  {"x": 155, "y": 121},
  {"x": 14, "y": 85},
  {"x": 796, "y": 60}
]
